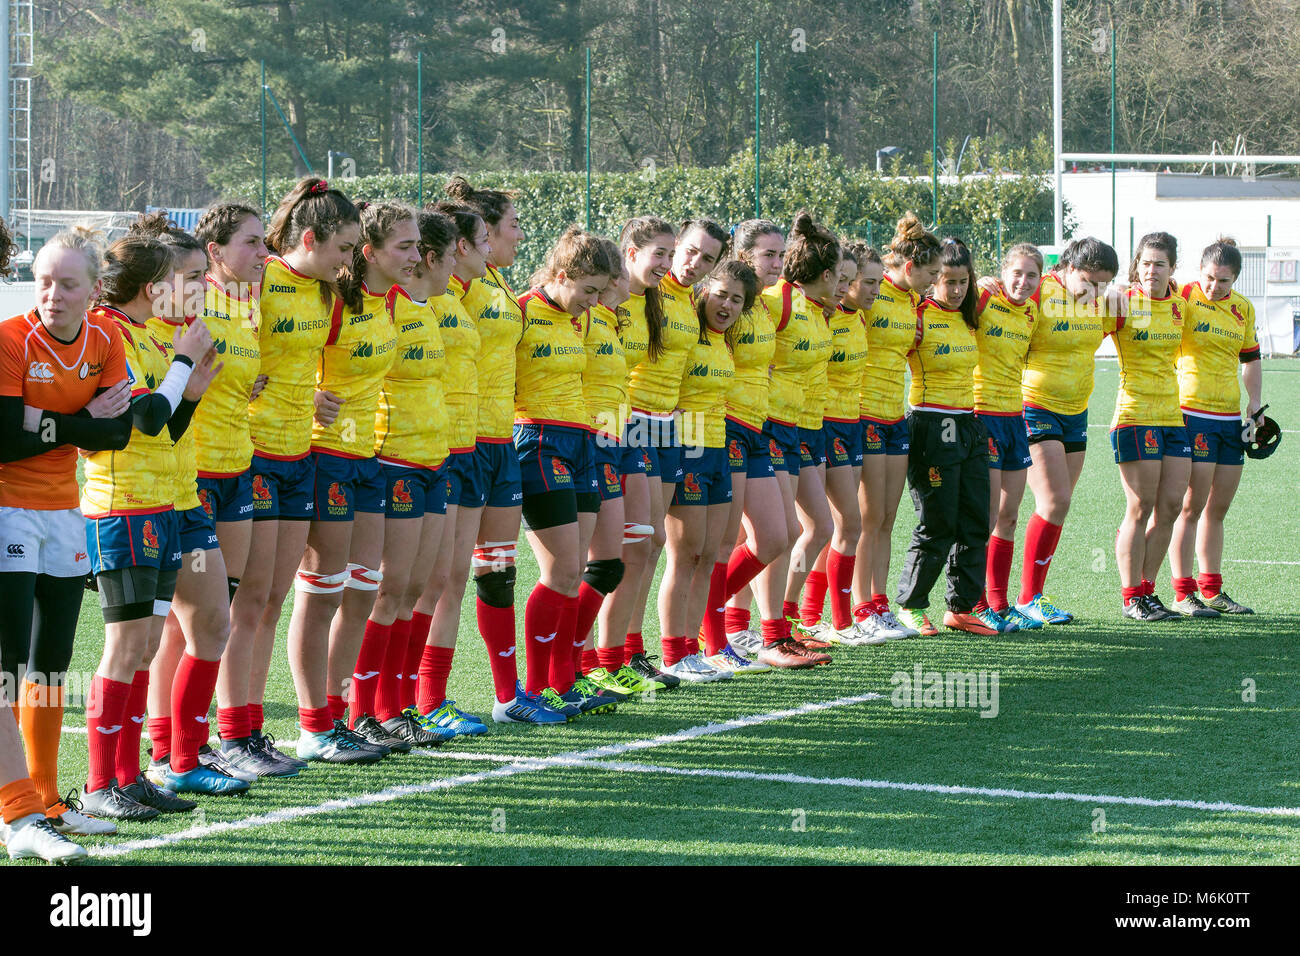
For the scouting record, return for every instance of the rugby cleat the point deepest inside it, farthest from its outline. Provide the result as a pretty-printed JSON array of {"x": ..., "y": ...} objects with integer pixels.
[
  {"x": 203, "y": 780},
  {"x": 35, "y": 836},
  {"x": 788, "y": 654},
  {"x": 633, "y": 683},
  {"x": 590, "y": 698},
  {"x": 264, "y": 744},
  {"x": 747, "y": 642},
  {"x": 526, "y": 708},
  {"x": 732, "y": 660},
  {"x": 1021, "y": 621},
  {"x": 112, "y": 803},
  {"x": 446, "y": 719},
  {"x": 914, "y": 619},
  {"x": 248, "y": 756},
  {"x": 894, "y": 623},
  {"x": 644, "y": 665},
  {"x": 693, "y": 670},
  {"x": 407, "y": 726},
  {"x": 1225, "y": 605},
  {"x": 66, "y": 817},
  {"x": 1193, "y": 606},
  {"x": 161, "y": 799},
  {"x": 1142, "y": 609},
  {"x": 570, "y": 709},
  {"x": 991, "y": 618},
  {"x": 374, "y": 732},
  {"x": 218, "y": 761},
  {"x": 1040, "y": 609},
  {"x": 338, "y": 745},
  {"x": 970, "y": 623},
  {"x": 606, "y": 682}
]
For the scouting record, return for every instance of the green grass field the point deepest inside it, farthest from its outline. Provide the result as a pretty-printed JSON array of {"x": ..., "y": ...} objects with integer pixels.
[{"x": 1096, "y": 721}]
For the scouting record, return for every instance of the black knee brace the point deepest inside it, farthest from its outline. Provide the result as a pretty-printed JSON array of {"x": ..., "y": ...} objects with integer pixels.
[
  {"x": 233, "y": 585},
  {"x": 604, "y": 575},
  {"x": 496, "y": 588}
]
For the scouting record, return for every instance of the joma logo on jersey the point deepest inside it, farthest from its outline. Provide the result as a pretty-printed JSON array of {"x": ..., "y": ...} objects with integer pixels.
[
  {"x": 412, "y": 325},
  {"x": 282, "y": 325},
  {"x": 999, "y": 307},
  {"x": 290, "y": 290},
  {"x": 413, "y": 353},
  {"x": 541, "y": 351},
  {"x": 363, "y": 317}
]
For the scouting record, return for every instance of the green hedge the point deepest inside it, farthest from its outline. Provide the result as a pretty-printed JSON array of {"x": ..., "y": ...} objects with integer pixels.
[{"x": 855, "y": 202}]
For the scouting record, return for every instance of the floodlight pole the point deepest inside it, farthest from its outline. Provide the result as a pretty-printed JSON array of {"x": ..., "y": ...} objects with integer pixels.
[{"x": 1058, "y": 235}]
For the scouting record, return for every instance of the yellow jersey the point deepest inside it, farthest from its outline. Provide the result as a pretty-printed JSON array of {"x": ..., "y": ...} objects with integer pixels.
[
  {"x": 293, "y": 325},
  {"x": 891, "y": 332},
  {"x": 1218, "y": 335},
  {"x": 943, "y": 361},
  {"x": 460, "y": 342},
  {"x": 492, "y": 304},
  {"x": 411, "y": 420},
  {"x": 813, "y": 412},
  {"x": 220, "y": 423},
  {"x": 755, "y": 344},
  {"x": 844, "y": 370},
  {"x": 141, "y": 478},
  {"x": 653, "y": 385},
  {"x": 1147, "y": 341},
  {"x": 803, "y": 342},
  {"x": 706, "y": 378},
  {"x": 549, "y": 363},
  {"x": 604, "y": 381},
  {"x": 1059, "y": 365},
  {"x": 1003, "y": 338},
  {"x": 185, "y": 490},
  {"x": 632, "y": 331},
  {"x": 353, "y": 365}
]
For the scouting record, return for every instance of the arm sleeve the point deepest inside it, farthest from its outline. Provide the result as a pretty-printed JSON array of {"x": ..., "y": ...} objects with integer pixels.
[
  {"x": 150, "y": 413},
  {"x": 180, "y": 419},
  {"x": 90, "y": 434},
  {"x": 16, "y": 444}
]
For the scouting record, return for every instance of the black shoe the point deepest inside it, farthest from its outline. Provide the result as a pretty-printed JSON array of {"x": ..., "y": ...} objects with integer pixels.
[
  {"x": 1226, "y": 605},
  {"x": 1193, "y": 606},
  {"x": 1141, "y": 609},
  {"x": 114, "y": 804},
  {"x": 264, "y": 744},
  {"x": 408, "y": 729},
  {"x": 143, "y": 791},
  {"x": 241, "y": 755},
  {"x": 222, "y": 763},
  {"x": 1153, "y": 600},
  {"x": 373, "y": 732},
  {"x": 641, "y": 664}
]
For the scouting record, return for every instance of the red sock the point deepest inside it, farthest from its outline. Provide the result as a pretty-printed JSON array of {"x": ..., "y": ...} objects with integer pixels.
[
  {"x": 388, "y": 698},
  {"x": 790, "y": 610},
  {"x": 160, "y": 737},
  {"x": 1131, "y": 594},
  {"x": 839, "y": 577},
  {"x": 255, "y": 718},
  {"x": 416, "y": 639},
  {"x": 674, "y": 650},
  {"x": 497, "y": 626},
  {"x": 735, "y": 619},
  {"x": 633, "y": 645},
  {"x": 863, "y": 611},
  {"x": 814, "y": 598},
  {"x": 1148, "y": 587},
  {"x": 773, "y": 632},
  {"x": 542, "y": 616},
  {"x": 192, "y": 690},
  {"x": 589, "y": 602},
  {"x": 610, "y": 658},
  {"x": 714, "y": 628},
  {"x": 435, "y": 667},
  {"x": 880, "y": 602},
  {"x": 1041, "y": 538},
  {"x": 692, "y": 646},
  {"x": 741, "y": 569},
  {"x": 591, "y": 660},
  {"x": 128, "y": 741},
  {"x": 105, "y": 715},
  {"x": 233, "y": 723},
  {"x": 1183, "y": 587},
  {"x": 1210, "y": 584},
  {"x": 997, "y": 571},
  {"x": 315, "y": 720},
  {"x": 336, "y": 706},
  {"x": 370, "y": 664},
  {"x": 562, "y": 656}
]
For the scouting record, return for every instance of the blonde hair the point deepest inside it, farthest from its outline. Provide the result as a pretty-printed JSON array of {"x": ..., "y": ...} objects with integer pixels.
[{"x": 89, "y": 242}]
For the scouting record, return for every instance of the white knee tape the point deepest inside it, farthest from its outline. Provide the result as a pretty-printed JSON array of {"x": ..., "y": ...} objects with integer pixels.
[
  {"x": 362, "y": 578},
  {"x": 636, "y": 533},
  {"x": 161, "y": 608},
  {"x": 495, "y": 554},
  {"x": 308, "y": 583}
]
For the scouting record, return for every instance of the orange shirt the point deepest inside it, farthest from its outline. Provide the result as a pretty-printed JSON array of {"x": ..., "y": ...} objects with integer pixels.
[{"x": 58, "y": 377}]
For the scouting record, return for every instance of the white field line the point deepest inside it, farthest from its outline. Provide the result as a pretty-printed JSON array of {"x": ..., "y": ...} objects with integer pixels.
[
  {"x": 1253, "y": 561},
  {"x": 1094, "y": 798},
  {"x": 527, "y": 765}
]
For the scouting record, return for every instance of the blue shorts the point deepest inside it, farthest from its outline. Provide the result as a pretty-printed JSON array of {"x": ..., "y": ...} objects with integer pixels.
[
  {"x": 348, "y": 486},
  {"x": 707, "y": 480},
  {"x": 498, "y": 474},
  {"x": 461, "y": 472},
  {"x": 134, "y": 541},
  {"x": 1149, "y": 442},
  {"x": 196, "y": 531},
  {"x": 843, "y": 443},
  {"x": 414, "y": 492},
  {"x": 607, "y": 461},
  {"x": 885, "y": 438},
  {"x": 1070, "y": 430},
  {"x": 227, "y": 499},
  {"x": 782, "y": 446},
  {"x": 812, "y": 447},
  {"x": 1216, "y": 440},
  {"x": 283, "y": 490},
  {"x": 659, "y": 437},
  {"x": 748, "y": 451},
  {"x": 1008, "y": 441},
  {"x": 555, "y": 458},
  {"x": 635, "y": 457}
]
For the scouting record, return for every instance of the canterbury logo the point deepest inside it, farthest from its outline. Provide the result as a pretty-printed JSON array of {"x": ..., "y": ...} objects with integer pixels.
[
  {"x": 109, "y": 730},
  {"x": 508, "y": 652},
  {"x": 541, "y": 351},
  {"x": 282, "y": 325},
  {"x": 40, "y": 371},
  {"x": 15, "y": 550}
]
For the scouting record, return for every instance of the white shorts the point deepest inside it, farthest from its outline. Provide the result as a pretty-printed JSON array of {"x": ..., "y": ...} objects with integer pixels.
[{"x": 43, "y": 542}]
